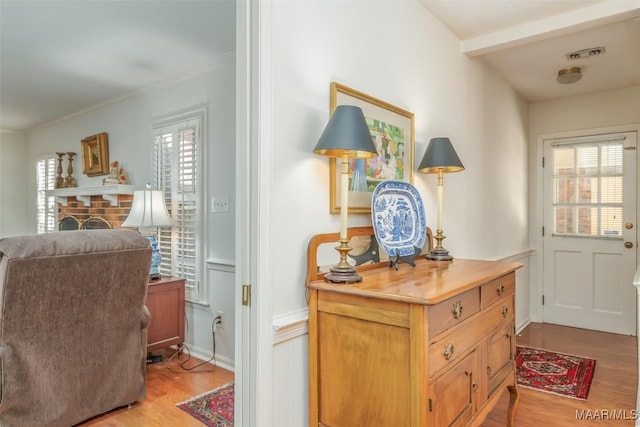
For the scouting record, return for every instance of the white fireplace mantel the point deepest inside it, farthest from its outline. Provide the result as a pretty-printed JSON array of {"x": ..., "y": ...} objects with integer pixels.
[{"x": 83, "y": 194}]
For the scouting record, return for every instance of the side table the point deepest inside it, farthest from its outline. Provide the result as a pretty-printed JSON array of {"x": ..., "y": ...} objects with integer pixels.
[{"x": 165, "y": 301}]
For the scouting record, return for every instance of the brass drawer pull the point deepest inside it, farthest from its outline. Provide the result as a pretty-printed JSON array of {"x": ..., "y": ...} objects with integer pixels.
[
  {"x": 447, "y": 353},
  {"x": 505, "y": 310},
  {"x": 457, "y": 310},
  {"x": 500, "y": 289}
]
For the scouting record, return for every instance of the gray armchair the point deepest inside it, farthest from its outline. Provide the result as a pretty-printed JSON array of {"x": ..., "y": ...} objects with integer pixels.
[{"x": 73, "y": 326}]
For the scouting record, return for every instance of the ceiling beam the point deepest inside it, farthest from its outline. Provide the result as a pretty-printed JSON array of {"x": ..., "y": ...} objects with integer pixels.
[{"x": 542, "y": 29}]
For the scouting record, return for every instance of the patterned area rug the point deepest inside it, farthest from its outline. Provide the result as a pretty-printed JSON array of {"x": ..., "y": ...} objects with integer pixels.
[
  {"x": 214, "y": 408},
  {"x": 557, "y": 373}
]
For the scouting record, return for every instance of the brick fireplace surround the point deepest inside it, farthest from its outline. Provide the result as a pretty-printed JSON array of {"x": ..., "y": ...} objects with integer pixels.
[
  {"x": 114, "y": 215},
  {"x": 110, "y": 203}
]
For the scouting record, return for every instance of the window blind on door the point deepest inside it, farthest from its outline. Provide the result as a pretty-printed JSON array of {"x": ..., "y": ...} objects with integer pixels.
[{"x": 588, "y": 187}]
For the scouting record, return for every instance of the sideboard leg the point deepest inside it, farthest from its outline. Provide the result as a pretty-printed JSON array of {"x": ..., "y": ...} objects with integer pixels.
[{"x": 514, "y": 399}]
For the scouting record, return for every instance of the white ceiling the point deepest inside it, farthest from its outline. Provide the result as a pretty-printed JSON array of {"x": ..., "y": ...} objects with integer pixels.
[
  {"x": 526, "y": 41},
  {"x": 61, "y": 57}
]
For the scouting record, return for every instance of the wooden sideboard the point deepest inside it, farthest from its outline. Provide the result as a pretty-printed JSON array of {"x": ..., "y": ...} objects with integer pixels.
[
  {"x": 430, "y": 345},
  {"x": 165, "y": 301}
]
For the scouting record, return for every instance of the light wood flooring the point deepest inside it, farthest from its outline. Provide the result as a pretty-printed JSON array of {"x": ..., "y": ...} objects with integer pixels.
[
  {"x": 614, "y": 383},
  {"x": 167, "y": 384},
  {"x": 614, "y": 386}
]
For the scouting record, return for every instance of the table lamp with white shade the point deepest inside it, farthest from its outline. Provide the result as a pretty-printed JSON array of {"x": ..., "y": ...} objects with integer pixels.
[
  {"x": 148, "y": 211},
  {"x": 345, "y": 137},
  {"x": 440, "y": 158}
]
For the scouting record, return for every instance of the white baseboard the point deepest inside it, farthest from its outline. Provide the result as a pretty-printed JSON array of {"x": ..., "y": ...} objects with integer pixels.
[
  {"x": 221, "y": 361},
  {"x": 523, "y": 324}
]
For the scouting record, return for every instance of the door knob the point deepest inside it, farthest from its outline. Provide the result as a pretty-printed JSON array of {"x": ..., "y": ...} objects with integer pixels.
[
  {"x": 628, "y": 245},
  {"x": 628, "y": 226}
]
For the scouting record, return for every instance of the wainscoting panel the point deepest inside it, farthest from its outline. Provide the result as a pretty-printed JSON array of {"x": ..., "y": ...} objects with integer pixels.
[
  {"x": 291, "y": 391},
  {"x": 218, "y": 296}
]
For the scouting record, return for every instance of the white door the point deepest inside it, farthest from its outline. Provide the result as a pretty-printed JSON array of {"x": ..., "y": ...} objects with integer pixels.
[{"x": 590, "y": 234}]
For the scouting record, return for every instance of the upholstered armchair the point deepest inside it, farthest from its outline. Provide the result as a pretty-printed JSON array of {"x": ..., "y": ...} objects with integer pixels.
[{"x": 73, "y": 326}]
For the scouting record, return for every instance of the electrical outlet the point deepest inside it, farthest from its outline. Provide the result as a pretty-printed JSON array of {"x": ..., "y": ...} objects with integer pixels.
[{"x": 220, "y": 314}]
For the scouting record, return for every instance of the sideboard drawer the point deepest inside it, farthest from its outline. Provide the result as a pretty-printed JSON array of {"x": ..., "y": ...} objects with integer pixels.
[
  {"x": 492, "y": 291},
  {"x": 453, "y": 311},
  {"x": 451, "y": 346}
]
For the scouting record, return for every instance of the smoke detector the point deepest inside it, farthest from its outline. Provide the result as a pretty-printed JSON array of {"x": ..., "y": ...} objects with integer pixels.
[
  {"x": 569, "y": 75},
  {"x": 585, "y": 53}
]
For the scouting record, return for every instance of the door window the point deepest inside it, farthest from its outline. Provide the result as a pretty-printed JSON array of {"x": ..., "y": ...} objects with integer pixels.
[{"x": 587, "y": 189}]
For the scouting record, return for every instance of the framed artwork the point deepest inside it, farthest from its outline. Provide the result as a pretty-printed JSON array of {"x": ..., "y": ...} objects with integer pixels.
[
  {"x": 392, "y": 130},
  {"x": 95, "y": 154}
]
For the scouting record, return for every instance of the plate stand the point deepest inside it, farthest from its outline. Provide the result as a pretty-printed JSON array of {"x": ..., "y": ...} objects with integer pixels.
[{"x": 409, "y": 259}]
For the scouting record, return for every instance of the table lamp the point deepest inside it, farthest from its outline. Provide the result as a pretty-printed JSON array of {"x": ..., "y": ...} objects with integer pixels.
[
  {"x": 345, "y": 136},
  {"x": 148, "y": 210},
  {"x": 440, "y": 158}
]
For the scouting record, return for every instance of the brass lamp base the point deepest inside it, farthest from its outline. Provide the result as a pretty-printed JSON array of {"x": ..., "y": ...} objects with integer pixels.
[
  {"x": 439, "y": 253},
  {"x": 343, "y": 272},
  {"x": 342, "y": 275}
]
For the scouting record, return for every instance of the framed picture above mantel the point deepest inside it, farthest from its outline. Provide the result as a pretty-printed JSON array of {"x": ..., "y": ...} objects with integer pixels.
[
  {"x": 392, "y": 130},
  {"x": 95, "y": 154}
]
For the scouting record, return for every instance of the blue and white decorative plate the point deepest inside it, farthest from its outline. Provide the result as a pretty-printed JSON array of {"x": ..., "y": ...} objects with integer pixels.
[{"x": 398, "y": 217}]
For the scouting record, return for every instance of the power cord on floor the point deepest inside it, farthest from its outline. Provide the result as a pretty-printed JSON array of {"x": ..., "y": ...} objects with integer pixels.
[{"x": 181, "y": 349}]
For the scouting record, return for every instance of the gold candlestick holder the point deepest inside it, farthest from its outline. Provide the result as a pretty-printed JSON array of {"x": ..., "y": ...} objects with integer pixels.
[
  {"x": 70, "y": 180},
  {"x": 59, "y": 183}
]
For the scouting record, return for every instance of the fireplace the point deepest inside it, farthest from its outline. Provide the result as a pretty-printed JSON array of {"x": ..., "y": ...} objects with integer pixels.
[{"x": 93, "y": 207}]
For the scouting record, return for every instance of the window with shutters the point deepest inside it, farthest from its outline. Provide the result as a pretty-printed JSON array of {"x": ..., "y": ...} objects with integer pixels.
[
  {"x": 176, "y": 171},
  {"x": 46, "y": 210},
  {"x": 587, "y": 181}
]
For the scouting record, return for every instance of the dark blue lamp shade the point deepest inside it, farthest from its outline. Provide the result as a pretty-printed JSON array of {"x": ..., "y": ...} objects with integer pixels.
[
  {"x": 440, "y": 156},
  {"x": 347, "y": 132}
]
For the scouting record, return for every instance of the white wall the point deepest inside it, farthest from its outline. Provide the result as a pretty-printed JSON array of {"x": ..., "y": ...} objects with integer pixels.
[
  {"x": 14, "y": 171},
  {"x": 420, "y": 69},
  {"x": 128, "y": 123},
  {"x": 395, "y": 51},
  {"x": 594, "y": 111}
]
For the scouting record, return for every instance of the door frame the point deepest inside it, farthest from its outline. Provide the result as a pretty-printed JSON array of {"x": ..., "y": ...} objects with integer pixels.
[
  {"x": 254, "y": 174},
  {"x": 536, "y": 291}
]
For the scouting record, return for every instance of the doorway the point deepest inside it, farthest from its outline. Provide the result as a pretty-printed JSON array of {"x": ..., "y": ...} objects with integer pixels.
[{"x": 589, "y": 231}]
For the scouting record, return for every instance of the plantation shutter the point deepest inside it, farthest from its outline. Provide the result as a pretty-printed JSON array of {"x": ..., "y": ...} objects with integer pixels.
[
  {"x": 587, "y": 182},
  {"x": 46, "y": 210},
  {"x": 176, "y": 173}
]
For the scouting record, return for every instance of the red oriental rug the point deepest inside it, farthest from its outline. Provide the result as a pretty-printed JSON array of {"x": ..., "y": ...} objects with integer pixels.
[
  {"x": 214, "y": 408},
  {"x": 558, "y": 373}
]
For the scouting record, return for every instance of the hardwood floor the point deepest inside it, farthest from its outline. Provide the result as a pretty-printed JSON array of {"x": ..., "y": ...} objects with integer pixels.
[
  {"x": 614, "y": 386},
  {"x": 614, "y": 383},
  {"x": 165, "y": 388}
]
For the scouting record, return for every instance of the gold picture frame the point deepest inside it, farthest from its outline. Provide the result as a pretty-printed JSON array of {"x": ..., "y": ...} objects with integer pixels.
[
  {"x": 392, "y": 129},
  {"x": 95, "y": 154}
]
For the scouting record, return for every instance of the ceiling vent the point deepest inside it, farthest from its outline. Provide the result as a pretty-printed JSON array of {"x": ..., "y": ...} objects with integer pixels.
[{"x": 585, "y": 53}]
